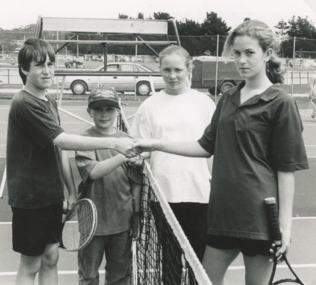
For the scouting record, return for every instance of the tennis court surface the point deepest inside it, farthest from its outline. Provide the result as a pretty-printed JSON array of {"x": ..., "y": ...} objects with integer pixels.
[{"x": 302, "y": 253}]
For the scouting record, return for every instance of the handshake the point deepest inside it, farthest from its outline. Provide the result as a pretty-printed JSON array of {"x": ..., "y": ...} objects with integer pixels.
[{"x": 134, "y": 147}]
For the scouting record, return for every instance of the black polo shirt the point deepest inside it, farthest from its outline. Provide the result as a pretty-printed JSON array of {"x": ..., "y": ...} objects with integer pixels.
[{"x": 250, "y": 143}]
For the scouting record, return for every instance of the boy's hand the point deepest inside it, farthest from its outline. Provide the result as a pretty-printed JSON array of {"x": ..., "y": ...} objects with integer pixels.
[
  {"x": 68, "y": 204},
  {"x": 136, "y": 160}
]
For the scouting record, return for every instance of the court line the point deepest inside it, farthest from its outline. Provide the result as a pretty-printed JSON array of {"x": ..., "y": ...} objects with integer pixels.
[
  {"x": 75, "y": 272},
  {"x": 279, "y": 266},
  {"x": 293, "y": 218}
]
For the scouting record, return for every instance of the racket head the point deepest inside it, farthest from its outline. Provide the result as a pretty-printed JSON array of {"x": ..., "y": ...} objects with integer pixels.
[
  {"x": 294, "y": 280},
  {"x": 287, "y": 281},
  {"x": 275, "y": 237},
  {"x": 79, "y": 226}
]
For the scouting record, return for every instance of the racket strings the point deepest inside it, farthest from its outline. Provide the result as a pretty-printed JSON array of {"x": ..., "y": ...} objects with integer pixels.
[
  {"x": 79, "y": 226},
  {"x": 85, "y": 224}
]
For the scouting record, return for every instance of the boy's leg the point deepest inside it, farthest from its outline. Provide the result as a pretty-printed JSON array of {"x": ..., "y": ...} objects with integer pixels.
[
  {"x": 45, "y": 265},
  {"x": 29, "y": 266},
  {"x": 48, "y": 271},
  {"x": 35, "y": 235},
  {"x": 118, "y": 267},
  {"x": 89, "y": 261}
]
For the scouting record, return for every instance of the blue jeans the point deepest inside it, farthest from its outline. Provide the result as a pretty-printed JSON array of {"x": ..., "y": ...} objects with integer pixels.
[{"x": 118, "y": 255}]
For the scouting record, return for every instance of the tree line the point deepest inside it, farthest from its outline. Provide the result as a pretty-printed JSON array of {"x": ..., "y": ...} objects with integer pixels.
[{"x": 204, "y": 38}]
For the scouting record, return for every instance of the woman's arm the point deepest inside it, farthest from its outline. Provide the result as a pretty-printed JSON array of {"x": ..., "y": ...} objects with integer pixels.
[
  {"x": 286, "y": 184},
  {"x": 190, "y": 148}
]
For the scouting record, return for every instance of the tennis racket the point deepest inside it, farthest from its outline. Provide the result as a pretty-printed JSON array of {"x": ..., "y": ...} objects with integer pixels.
[
  {"x": 275, "y": 238},
  {"x": 79, "y": 225}
]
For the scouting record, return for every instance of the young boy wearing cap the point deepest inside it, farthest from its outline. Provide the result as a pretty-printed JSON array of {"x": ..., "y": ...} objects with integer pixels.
[
  {"x": 37, "y": 168},
  {"x": 110, "y": 180}
]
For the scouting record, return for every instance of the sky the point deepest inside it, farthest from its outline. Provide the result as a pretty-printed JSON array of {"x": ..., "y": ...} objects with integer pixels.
[{"x": 16, "y": 13}]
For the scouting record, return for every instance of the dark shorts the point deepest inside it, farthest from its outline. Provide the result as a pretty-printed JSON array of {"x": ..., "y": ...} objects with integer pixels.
[
  {"x": 248, "y": 247},
  {"x": 33, "y": 229}
]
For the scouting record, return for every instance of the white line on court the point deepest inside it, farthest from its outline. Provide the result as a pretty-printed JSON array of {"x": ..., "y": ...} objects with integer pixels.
[
  {"x": 293, "y": 218},
  {"x": 75, "y": 272},
  {"x": 309, "y": 265}
]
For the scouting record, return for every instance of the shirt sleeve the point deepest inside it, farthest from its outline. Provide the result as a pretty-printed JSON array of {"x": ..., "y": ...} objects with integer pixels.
[
  {"x": 210, "y": 108},
  {"x": 141, "y": 127},
  {"x": 38, "y": 120},
  {"x": 289, "y": 152},
  {"x": 207, "y": 141},
  {"x": 85, "y": 161}
]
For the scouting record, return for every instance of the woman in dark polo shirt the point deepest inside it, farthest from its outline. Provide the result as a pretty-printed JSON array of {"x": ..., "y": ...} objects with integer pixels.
[{"x": 256, "y": 139}]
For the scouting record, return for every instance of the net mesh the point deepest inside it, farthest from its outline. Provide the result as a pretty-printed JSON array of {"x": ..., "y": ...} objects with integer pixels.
[{"x": 163, "y": 253}]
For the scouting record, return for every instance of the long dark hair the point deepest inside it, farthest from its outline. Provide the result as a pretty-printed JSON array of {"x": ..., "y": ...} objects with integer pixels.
[
  {"x": 34, "y": 49},
  {"x": 266, "y": 39}
]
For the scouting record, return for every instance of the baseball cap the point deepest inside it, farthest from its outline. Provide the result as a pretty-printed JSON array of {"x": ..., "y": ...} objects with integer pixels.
[{"x": 103, "y": 96}]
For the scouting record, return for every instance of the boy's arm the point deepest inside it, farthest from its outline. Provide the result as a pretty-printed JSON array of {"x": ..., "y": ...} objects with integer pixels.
[
  {"x": 69, "y": 180},
  {"x": 76, "y": 142},
  {"x": 105, "y": 167}
]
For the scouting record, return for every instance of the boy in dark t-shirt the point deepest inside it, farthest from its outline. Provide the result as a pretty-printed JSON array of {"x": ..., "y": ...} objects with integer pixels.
[{"x": 37, "y": 168}]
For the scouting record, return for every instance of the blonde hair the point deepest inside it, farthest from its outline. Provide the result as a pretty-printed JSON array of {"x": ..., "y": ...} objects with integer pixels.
[
  {"x": 174, "y": 49},
  {"x": 266, "y": 38}
]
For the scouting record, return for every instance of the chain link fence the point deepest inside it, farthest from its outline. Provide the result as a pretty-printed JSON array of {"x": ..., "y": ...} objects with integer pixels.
[{"x": 211, "y": 72}]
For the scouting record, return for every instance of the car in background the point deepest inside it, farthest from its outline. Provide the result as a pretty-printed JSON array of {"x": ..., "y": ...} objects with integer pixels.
[{"x": 80, "y": 84}]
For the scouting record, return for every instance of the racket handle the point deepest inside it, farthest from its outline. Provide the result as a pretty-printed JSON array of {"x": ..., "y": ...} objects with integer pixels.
[{"x": 273, "y": 219}]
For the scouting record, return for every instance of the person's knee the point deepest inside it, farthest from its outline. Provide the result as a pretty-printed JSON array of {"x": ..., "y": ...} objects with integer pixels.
[
  {"x": 30, "y": 265},
  {"x": 50, "y": 256}
]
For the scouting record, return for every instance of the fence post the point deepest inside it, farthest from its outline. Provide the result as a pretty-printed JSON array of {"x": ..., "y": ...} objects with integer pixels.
[
  {"x": 8, "y": 75},
  {"x": 293, "y": 67},
  {"x": 216, "y": 72}
]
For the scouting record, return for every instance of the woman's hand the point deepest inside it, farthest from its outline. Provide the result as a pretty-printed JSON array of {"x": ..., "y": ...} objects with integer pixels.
[
  {"x": 145, "y": 144},
  {"x": 284, "y": 247}
]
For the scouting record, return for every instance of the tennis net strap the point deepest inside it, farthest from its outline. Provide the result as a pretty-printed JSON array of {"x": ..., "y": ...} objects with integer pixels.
[{"x": 163, "y": 252}]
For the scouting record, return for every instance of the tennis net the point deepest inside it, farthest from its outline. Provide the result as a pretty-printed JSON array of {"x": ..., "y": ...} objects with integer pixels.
[{"x": 163, "y": 253}]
